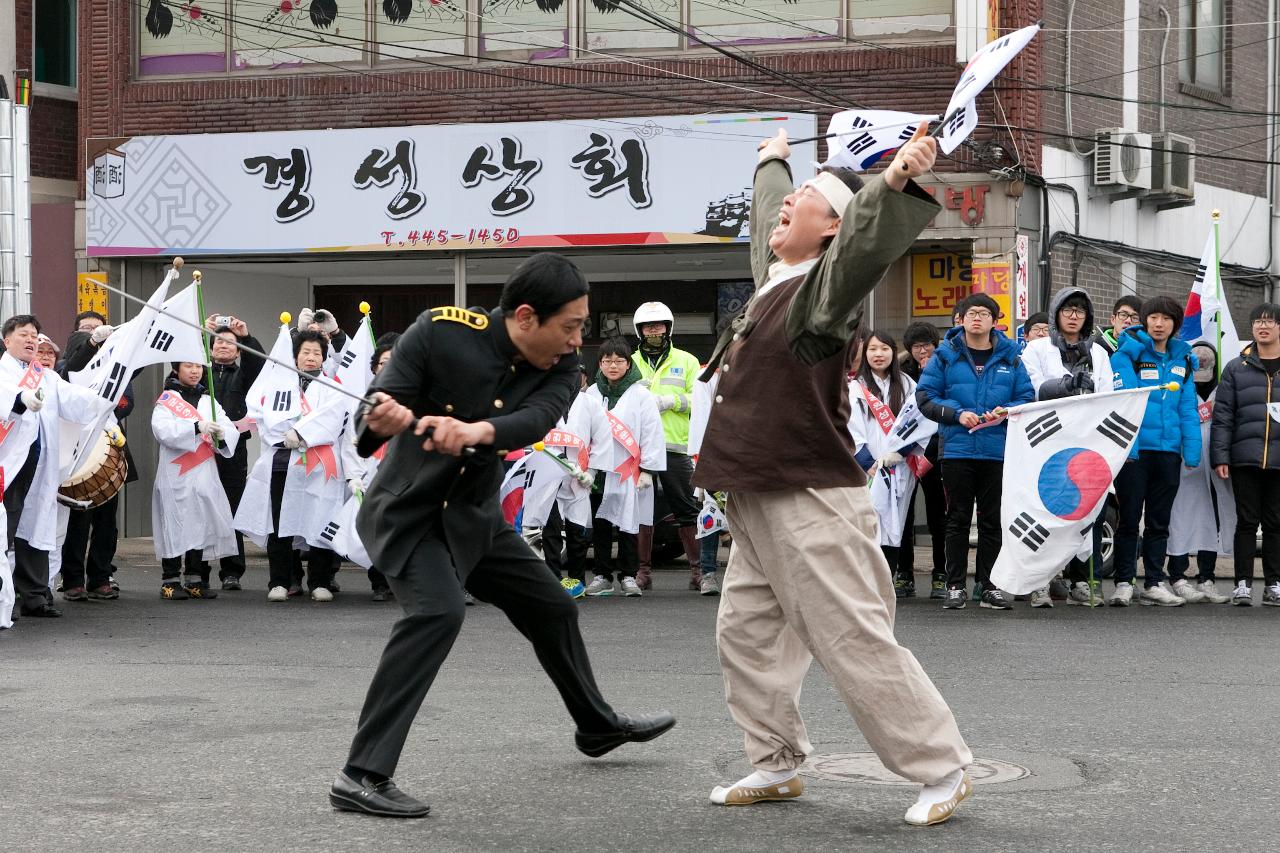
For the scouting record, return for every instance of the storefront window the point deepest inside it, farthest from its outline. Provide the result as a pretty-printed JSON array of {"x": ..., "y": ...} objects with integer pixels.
[
  {"x": 288, "y": 33},
  {"x": 405, "y": 28},
  {"x": 182, "y": 38},
  {"x": 889, "y": 17},
  {"x": 523, "y": 29},
  {"x": 765, "y": 21},
  {"x": 617, "y": 29}
]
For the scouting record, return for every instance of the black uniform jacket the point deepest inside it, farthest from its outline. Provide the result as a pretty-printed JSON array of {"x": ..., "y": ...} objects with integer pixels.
[{"x": 459, "y": 364}]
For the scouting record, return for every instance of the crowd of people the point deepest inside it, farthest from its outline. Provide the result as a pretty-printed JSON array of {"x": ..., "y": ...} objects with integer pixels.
[{"x": 1203, "y": 475}]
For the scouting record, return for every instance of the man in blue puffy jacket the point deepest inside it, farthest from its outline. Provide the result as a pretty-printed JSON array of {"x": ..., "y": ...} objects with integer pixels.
[
  {"x": 975, "y": 372},
  {"x": 1170, "y": 435}
]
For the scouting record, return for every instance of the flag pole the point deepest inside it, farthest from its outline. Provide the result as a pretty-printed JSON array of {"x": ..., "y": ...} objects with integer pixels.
[
  {"x": 1217, "y": 286},
  {"x": 197, "y": 277},
  {"x": 365, "y": 308}
]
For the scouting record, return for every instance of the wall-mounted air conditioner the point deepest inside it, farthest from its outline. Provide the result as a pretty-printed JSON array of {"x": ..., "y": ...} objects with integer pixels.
[
  {"x": 1122, "y": 160},
  {"x": 1173, "y": 165}
]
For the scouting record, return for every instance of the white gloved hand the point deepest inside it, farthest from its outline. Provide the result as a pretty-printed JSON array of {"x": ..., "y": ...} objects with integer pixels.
[
  {"x": 325, "y": 321},
  {"x": 293, "y": 441},
  {"x": 890, "y": 459},
  {"x": 101, "y": 333},
  {"x": 645, "y": 481},
  {"x": 584, "y": 478},
  {"x": 33, "y": 400},
  {"x": 211, "y": 429},
  {"x": 305, "y": 318},
  {"x": 665, "y": 402},
  {"x": 356, "y": 485}
]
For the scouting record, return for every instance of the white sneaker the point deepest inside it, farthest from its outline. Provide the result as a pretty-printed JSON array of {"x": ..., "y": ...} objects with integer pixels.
[
  {"x": 709, "y": 585},
  {"x": 1185, "y": 590},
  {"x": 321, "y": 594},
  {"x": 630, "y": 588},
  {"x": 1040, "y": 598},
  {"x": 600, "y": 585},
  {"x": 1209, "y": 590},
  {"x": 1160, "y": 595},
  {"x": 1085, "y": 595},
  {"x": 1122, "y": 596},
  {"x": 1243, "y": 596},
  {"x": 938, "y": 803},
  {"x": 278, "y": 593}
]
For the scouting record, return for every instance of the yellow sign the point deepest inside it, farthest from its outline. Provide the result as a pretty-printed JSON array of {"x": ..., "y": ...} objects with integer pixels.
[
  {"x": 938, "y": 283},
  {"x": 993, "y": 277},
  {"x": 90, "y": 293}
]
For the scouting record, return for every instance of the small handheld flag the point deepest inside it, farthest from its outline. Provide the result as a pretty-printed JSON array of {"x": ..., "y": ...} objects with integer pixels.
[{"x": 961, "y": 116}]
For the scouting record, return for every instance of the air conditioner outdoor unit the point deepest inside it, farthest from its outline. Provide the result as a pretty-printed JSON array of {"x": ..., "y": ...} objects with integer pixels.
[
  {"x": 1173, "y": 165},
  {"x": 1122, "y": 160}
]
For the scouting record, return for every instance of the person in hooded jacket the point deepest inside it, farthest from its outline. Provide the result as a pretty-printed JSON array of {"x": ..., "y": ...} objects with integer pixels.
[
  {"x": 1245, "y": 449},
  {"x": 1064, "y": 363},
  {"x": 1170, "y": 434},
  {"x": 975, "y": 372}
]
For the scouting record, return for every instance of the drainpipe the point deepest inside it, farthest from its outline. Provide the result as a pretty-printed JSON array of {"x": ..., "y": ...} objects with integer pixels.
[
  {"x": 1164, "y": 45},
  {"x": 8, "y": 224},
  {"x": 1273, "y": 144},
  {"x": 22, "y": 207}
]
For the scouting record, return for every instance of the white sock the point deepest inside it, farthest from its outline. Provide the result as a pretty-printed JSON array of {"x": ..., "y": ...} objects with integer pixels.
[
  {"x": 764, "y": 778},
  {"x": 942, "y": 790}
]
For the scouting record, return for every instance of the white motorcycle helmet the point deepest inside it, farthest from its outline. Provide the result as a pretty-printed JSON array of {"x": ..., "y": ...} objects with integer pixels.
[{"x": 653, "y": 312}]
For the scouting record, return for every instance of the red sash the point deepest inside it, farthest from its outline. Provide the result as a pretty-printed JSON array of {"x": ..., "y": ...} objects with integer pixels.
[
  {"x": 561, "y": 438},
  {"x": 883, "y": 414},
  {"x": 630, "y": 468},
  {"x": 180, "y": 408},
  {"x": 1206, "y": 411},
  {"x": 321, "y": 454},
  {"x": 30, "y": 381}
]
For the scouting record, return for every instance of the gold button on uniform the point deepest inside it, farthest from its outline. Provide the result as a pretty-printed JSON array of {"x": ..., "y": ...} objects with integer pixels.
[
  {"x": 462, "y": 470},
  {"x": 737, "y": 337},
  {"x": 497, "y": 404},
  {"x": 725, "y": 368},
  {"x": 719, "y": 398},
  {"x": 448, "y": 407},
  {"x": 444, "y": 505}
]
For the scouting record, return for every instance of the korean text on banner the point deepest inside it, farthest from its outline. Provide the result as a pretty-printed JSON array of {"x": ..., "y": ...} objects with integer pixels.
[
  {"x": 993, "y": 277},
  {"x": 938, "y": 282},
  {"x": 90, "y": 293}
]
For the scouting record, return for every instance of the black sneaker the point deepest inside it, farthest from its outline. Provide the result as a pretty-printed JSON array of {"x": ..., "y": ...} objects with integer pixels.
[
  {"x": 938, "y": 589},
  {"x": 994, "y": 599},
  {"x": 200, "y": 589},
  {"x": 1059, "y": 590},
  {"x": 173, "y": 591},
  {"x": 904, "y": 588},
  {"x": 955, "y": 599},
  {"x": 379, "y": 595},
  {"x": 231, "y": 584}
]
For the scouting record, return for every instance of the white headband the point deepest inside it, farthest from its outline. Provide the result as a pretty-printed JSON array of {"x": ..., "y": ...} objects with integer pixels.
[{"x": 834, "y": 190}]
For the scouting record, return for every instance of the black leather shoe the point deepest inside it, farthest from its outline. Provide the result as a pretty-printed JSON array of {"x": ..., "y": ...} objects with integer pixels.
[
  {"x": 382, "y": 799},
  {"x": 630, "y": 729},
  {"x": 44, "y": 611}
]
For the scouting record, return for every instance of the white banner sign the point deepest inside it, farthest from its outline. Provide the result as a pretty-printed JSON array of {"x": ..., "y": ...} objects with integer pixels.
[{"x": 587, "y": 182}]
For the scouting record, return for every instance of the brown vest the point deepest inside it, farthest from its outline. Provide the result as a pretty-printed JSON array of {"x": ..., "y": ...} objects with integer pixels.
[{"x": 778, "y": 423}]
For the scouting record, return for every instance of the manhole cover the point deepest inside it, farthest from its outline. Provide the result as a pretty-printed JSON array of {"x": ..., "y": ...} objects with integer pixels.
[{"x": 865, "y": 767}]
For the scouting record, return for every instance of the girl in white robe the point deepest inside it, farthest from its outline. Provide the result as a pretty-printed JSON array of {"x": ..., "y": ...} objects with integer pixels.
[
  {"x": 190, "y": 513},
  {"x": 623, "y": 496},
  {"x": 877, "y": 397},
  {"x": 296, "y": 487}
]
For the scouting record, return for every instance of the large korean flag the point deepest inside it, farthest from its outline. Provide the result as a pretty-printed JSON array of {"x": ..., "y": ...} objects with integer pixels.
[
  {"x": 340, "y": 535},
  {"x": 1061, "y": 457},
  {"x": 529, "y": 490},
  {"x": 961, "y": 116},
  {"x": 274, "y": 397}
]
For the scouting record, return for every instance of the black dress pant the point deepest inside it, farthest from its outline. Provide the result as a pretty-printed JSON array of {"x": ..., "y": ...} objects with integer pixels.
[
  {"x": 96, "y": 530},
  {"x": 510, "y": 577},
  {"x": 171, "y": 567},
  {"x": 971, "y": 481},
  {"x": 1145, "y": 489},
  {"x": 1257, "y": 494},
  {"x": 322, "y": 563},
  {"x": 577, "y": 539},
  {"x": 677, "y": 488},
  {"x": 935, "y": 515},
  {"x": 233, "y": 472},
  {"x": 30, "y": 565}
]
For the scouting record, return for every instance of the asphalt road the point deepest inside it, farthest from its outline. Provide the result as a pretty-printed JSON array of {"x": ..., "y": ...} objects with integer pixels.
[{"x": 207, "y": 726}]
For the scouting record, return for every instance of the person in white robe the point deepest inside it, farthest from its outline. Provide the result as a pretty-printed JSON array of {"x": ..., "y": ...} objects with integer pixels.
[
  {"x": 1203, "y": 519},
  {"x": 880, "y": 393},
  {"x": 622, "y": 498},
  {"x": 589, "y": 442},
  {"x": 190, "y": 512},
  {"x": 30, "y": 451},
  {"x": 296, "y": 487}
]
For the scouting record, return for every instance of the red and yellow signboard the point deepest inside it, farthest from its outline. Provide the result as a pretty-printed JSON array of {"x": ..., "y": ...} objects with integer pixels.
[
  {"x": 994, "y": 278},
  {"x": 938, "y": 282}
]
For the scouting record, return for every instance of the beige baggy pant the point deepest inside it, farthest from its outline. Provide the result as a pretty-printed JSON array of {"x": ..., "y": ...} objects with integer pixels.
[{"x": 806, "y": 579}]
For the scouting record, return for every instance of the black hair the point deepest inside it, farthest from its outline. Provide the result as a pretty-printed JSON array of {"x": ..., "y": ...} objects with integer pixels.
[
  {"x": 1076, "y": 300},
  {"x": 302, "y": 337},
  {"x": 1265, "y": 311},
  {"x": 387, "y": 338},
  {"x": 203, "y": 381},
  {"x": 978, "y": 300},
  {"x": 380, "y": 348},
  {"x": 222, "y": 329},
  {"x": 920, "y": 332},
  {"x": 1166, "y": 305},
  {"x": 616, "y": 346},
  {"x": 546, "y": 282},
  {"x": 89, "y": 315},
  {"x": 19, "y": 320},
  {"x": 1038, "y": 317},
  {"x": 1131, "y": 302},
  {"x": 896, "y": 394}
]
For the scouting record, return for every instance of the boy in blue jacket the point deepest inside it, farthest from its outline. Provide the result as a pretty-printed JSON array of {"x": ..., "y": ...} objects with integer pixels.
[
  {"x": 973, "y": 373},
  {"x": 1170, "y": 435}
]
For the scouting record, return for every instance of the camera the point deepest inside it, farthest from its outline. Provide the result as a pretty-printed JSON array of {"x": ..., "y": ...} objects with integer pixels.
[{"x": 222, "y": 320}]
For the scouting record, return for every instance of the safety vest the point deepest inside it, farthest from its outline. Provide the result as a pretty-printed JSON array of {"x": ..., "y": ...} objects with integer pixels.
[{"x": 674, "y": 377}]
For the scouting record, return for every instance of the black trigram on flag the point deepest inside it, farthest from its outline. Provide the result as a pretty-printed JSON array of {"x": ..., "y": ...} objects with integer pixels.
[
  {"x": 1117, "y": 429},
  {"x": 1042, "y": 428},
  {"x": 162, "y": 341},
  {"x": 907, "y": 429},
  {"x": 282, "y": 401},
  {"x": 113, "y": 383},
  {"x": 347, "y": 357},
  {"x": 956, "y": 124},
  {"x": 330, "y": 531},
  {"x": 1029, "y": 533}
]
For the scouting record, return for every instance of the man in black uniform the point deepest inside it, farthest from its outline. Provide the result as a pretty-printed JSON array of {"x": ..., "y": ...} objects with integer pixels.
[{"x": 469, "y": 383}]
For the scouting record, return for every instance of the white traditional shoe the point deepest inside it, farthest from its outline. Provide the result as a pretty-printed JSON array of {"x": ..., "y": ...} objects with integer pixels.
[
  {"x": 743, "y": 793},
  {"x": 937, "y": 803},
  {"x": 278, "y": 593},
  {"x": 321, "y": 594}
]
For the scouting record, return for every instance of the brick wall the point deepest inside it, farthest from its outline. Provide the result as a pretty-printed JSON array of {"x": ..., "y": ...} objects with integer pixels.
[
  {"x": 1096, "y": 67},
  {"x": 112, "y": 104}
]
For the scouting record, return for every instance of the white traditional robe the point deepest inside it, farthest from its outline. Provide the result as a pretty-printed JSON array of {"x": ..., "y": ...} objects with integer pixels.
[
  {"x": 314, "y": 491},
  {"x": 62, "y": 401},
  {"x": 622, "y": 504},
  {"x": 8, "y": 392},
  {"x": 587, "y": 421},
  {"x": 340, "y": 534},
  {"x": 1191, "y": 522},
  {"x": 189, "y": 507},
  {"x": 891, "y": 490}
]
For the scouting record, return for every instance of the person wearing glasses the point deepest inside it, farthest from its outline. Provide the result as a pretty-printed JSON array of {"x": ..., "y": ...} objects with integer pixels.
[
  {"x": 1065, "y": 363},
  {"x": 973, "y": 373},
  {"x": 1244, "y": 449},
  {"x": 1125, "y": 313},
  {"x": 1035, "y": 327}
]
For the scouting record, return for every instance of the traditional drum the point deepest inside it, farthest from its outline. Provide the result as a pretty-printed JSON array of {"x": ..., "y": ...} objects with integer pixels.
[{"x": 100, "y": 477}]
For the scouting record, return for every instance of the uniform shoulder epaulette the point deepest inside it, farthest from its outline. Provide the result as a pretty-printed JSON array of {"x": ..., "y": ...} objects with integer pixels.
[{"x": 454, "y": 314}]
